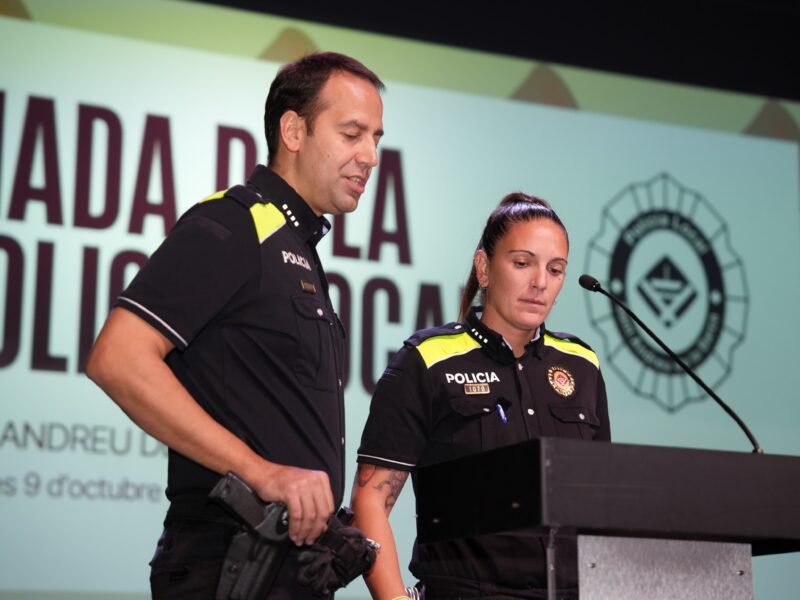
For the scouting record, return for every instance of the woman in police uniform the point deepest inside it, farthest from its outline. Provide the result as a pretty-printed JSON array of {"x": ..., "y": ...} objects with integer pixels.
[{"x": 497, "y": 377}]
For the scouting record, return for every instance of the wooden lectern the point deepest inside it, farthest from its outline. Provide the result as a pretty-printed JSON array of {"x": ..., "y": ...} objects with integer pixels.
[{"x": 652, "y": 522}]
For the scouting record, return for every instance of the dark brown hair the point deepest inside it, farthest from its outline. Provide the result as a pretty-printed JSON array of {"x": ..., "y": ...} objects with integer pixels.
[
  {"x": 514, "y": 208},
  {"x": 297, "y": 87}
]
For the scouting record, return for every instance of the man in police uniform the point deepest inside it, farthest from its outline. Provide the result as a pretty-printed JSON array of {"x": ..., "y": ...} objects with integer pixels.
[{"x": 226, "y": 347}]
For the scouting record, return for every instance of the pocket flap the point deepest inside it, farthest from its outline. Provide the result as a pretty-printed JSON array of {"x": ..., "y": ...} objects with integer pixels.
[
  {"x": 470, "y": 406},
  {"x": 575, "y": 414},
  {"x": 311, "y": 308}
]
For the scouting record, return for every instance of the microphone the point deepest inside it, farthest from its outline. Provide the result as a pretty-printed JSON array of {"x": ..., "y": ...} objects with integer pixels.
[{"x": 588, "y": 282}]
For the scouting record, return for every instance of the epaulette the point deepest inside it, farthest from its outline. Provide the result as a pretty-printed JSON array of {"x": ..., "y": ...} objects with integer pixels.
[
  {"x": 570, "y": 344},
  {"x": 436, "y": 344},
  {"x": 266, "y": 216},
  {"x": 245, "y": 196}
]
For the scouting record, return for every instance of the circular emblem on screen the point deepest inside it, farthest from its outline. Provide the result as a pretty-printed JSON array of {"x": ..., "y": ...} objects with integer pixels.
[
  {"x": 561, "y": 380},
  {"x": 665, "y": 252}
]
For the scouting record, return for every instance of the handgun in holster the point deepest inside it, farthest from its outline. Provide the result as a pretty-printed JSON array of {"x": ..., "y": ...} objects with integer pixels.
[{"x": 256, "y": 553}]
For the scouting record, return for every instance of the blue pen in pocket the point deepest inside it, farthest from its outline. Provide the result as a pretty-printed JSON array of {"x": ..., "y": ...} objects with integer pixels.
[{"x": 501, "y": 413}]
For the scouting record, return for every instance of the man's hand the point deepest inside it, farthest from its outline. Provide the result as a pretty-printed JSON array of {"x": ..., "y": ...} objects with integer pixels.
[{"x": 307, "y": 495}]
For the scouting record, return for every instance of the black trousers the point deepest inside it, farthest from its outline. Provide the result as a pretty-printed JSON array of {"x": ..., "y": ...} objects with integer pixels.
[
  {"x": 189, "y": 558},
  {"x": 447, "y": 588}
]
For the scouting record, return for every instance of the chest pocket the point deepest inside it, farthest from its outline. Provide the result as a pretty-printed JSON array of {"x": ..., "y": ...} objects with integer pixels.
[
  {"x": 474, "y": 425},
  {"x": 575, "y": 421},
  {"x": 315, "y": 365}
]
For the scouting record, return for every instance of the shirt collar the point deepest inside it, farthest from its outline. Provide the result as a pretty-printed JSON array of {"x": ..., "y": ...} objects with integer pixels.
[
  {"x": 299, "y": 216},
  {"x": 493, "y": 343}
]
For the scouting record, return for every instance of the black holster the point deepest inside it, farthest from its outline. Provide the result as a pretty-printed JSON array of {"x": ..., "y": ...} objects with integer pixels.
[{"x": 257, "y": 551}]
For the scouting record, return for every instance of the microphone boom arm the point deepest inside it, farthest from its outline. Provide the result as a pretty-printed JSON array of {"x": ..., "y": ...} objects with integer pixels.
[{"x": 591, "y": 284}]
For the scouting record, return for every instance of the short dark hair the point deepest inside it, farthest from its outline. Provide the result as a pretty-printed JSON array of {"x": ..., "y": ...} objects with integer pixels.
[
  {"x": 514, "y": 208},
  {"x": 297, "y": 87}
]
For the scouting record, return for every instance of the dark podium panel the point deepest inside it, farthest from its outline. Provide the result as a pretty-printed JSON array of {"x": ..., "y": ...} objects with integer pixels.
[{"x": 612, "y": 489}]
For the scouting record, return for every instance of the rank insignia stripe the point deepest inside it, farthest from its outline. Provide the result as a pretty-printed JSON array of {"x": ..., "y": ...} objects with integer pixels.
[
  {"x": 472, "y": 389},
  {"x": 561, "y": 381},
  {"x": 308, "y": 287}
]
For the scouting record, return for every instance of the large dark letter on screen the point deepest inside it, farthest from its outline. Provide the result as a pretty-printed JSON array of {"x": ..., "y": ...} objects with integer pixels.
[
  {"x": 226, "y": 135},
  {"x": 40, "y": 118},
  {"x": 156, "y": 139},
  {"x": 42, "y": 360},
  {"x": 88, "y": 117},
  {"x": 368, "y": 326},
  {"x": 390, "y": 170},
  {"x": 13, "y": 300}
]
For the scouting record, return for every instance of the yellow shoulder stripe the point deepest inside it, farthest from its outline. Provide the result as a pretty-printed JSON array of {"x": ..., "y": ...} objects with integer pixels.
[
  {"x": 572, "y": 348},
  {"x": 440, "y": 347},
  {"x": 214, "y": 196},
  {"x": 268, "y": 220}
]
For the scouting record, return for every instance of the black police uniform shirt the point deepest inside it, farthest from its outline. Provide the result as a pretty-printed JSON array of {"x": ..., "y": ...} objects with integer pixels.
[
  {"x": 456, "y": 390},
  {"x": 238, "y": 288}
]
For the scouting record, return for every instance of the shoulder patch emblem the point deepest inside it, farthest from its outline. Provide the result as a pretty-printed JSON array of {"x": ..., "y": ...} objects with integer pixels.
[{"x": 561, "y": 380}]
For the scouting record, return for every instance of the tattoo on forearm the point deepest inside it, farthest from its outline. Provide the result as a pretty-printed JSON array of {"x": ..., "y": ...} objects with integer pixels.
[
  {"x": 364, "y": 474},
  {"x": 393, "y": 484}
]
